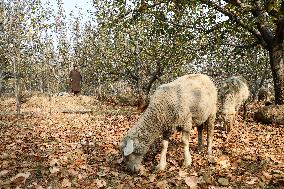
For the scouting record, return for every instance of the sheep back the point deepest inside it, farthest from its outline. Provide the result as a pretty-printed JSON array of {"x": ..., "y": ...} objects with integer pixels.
[{"x": 192, "y": 95}]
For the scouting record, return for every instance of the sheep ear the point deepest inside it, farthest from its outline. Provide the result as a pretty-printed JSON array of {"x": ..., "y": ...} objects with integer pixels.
[{"x": 129, "y": 148}]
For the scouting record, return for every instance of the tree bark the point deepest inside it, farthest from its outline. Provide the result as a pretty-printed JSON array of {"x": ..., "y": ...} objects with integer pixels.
[
  {"x": 1, "y": 81},
  {"x": 16, "y": 73},
  {"x": 276, "y": 54}
]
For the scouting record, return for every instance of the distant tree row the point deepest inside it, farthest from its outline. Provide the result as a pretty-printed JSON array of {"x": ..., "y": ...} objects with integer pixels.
[{"x": 143, "y": 44}]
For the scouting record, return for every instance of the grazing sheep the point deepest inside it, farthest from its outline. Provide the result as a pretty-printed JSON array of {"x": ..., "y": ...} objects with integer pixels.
[
  {"x": 234, "y": 93},
  {"x": 177, "y": 106}
]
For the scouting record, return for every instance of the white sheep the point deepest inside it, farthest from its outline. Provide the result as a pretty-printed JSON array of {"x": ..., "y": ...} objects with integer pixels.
[
  {"x": 188, "y": 101},
  {"x": 234, "y": 93}
]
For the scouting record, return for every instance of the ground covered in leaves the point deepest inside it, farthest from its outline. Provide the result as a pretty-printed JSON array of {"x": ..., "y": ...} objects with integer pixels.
[{"x": 72, "y": 142}]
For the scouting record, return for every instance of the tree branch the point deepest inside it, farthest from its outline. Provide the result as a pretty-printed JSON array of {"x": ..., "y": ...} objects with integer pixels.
[
  {"x": 236, "y": 19},
  {"x": 137, "y": 11},
  {"x": 279, "y": 32},
  {"x": 242, "y": 46},
  {"x": 154, "y": 77},
  {"x": 213, "y": 28},
  {"x": 262, "y": 23}
]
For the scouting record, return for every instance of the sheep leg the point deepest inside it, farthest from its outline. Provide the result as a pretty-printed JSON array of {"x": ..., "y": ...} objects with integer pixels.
[
  {"x": 163, "y": 159},
  {"x": 232, "y": 122},
  {"x": 245, "y": 110},
  {"x": 200, "y": 137},
  {"x": 187, "y": 156},
  {"x": 229, "y": 125},
  {"x": 210, "y": 133}
]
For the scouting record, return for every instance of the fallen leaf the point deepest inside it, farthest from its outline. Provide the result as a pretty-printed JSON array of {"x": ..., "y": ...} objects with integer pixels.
[
  {"x": 223, "y": 181},
  {"x": 116, "y": 174},
  {"x": 182, "y": 173},
  {"x": 143, "y": 171},
  {"x": 66, "y": 183},
  {"x": 267, "y": 175},
  {"x": 82, "y": 176},
  {"x": 152, "y": 177},
  {"x": 120, "y": 186},
  {"x": 191, "y": 181},
  {"x": 53, "y": 162},
  {"x": 38, "y": 187},
  {"x": 277, "y": 172},
  {"x": 162, "y": 184},
  {"x": 4, "y": 173},
  {"x": 172, "y": 168},
  {"x": 4, "y": 156},
  {"x": 73, "y": 172},
  {"x": 20, "y": 177},
  {"x": 101, "y": 174},
  {"x": 223, "y": 161},
  {"x": 54, "y": 170},
  {"x": 252, "y": 181},
  {"x": 100, "y": 183}
]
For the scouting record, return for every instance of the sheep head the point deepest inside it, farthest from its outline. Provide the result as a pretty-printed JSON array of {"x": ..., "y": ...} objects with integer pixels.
[{"x": 131, "y": 155}]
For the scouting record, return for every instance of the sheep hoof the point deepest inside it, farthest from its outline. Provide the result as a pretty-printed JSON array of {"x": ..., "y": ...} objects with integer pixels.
[
  {"x": 161, "y": 167},
  {"x": 186, "y": 164}
]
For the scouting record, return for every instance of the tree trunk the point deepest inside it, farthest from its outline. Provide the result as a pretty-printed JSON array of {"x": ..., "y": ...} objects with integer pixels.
[
  {"x": 41, "y": 85},
  {"x": 17, "y": 86},
  {"x": 1, "y": 81},
  {"x": 276, "y": 55},
  {"x": 16, "y": 74}
]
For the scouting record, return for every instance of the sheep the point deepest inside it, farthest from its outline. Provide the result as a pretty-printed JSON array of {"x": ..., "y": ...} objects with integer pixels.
[
  {"x": 234, "y": 93},
  {"x": 188, "y": 101}
]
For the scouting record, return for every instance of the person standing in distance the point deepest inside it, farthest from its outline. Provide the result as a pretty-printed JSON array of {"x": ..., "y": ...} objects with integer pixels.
[{"x": 75, "y": 79}]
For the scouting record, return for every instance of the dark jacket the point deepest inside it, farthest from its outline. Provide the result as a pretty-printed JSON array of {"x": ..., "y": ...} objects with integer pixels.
[{"x": 75, "y": 78}]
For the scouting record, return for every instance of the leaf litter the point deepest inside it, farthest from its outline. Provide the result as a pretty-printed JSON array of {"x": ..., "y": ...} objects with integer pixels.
[{"x": 45, "y": 148}]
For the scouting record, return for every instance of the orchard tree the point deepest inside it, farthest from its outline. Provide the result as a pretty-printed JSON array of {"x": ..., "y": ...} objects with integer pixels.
[
  {"x": 264, "y": 22},
  {"x": 252, "y": 23},
  {"x": 141, "y": 51},
  {"x": 14, "y": 32}
]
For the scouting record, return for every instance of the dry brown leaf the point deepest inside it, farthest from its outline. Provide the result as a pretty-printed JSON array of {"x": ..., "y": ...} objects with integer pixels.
[
  {"x": 54, "y": 169},
  {"x": 162, "y": 184},
  {"x": 53, "y": 162},
  {"x": 58, "y": 136},
  {"x": 38, "y": 187},
  {"x": 252, "y": 181},
  {"x": 223, "y": 161},
  {"x": 143, "y": 171},
  {"x": 223, "y": 181},
  {"x": 3, "y": 173},
  {"x": 120, "y": 186},
  {"x": 66, "y": 183},
  {"x": 152, "y": 177},
  {"x": 100, "y": 183},
  {"x": 191, "y": 181},
  {"x": 172, "y": 168},
  {"x": 20, "y": 177},
  {"x": 73, "y": 172},
  {"x": 182, "y": 173},
  {"x": 267, "y": 175}
]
